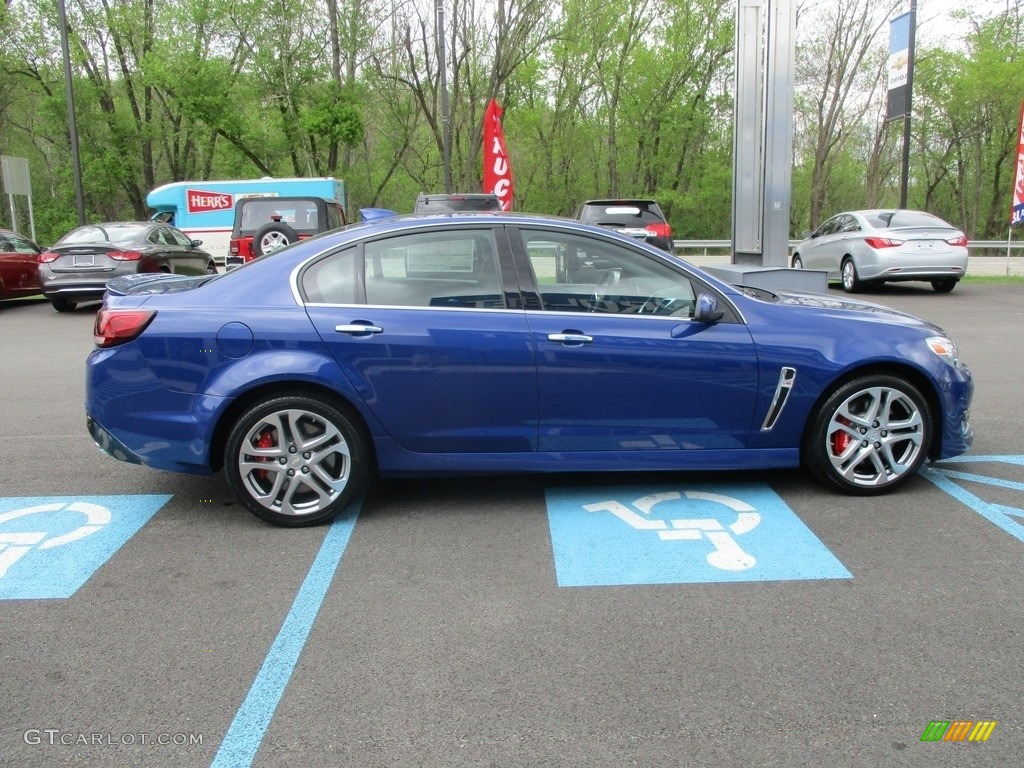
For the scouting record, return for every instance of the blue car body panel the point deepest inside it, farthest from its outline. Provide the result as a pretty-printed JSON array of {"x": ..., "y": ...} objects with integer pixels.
[{"x": 508, "y": 389}]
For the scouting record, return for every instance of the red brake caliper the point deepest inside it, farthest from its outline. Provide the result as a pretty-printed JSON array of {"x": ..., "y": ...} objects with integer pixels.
[
  {"x": 265, "y": 440},
  {"x": 841, "y": 440}
]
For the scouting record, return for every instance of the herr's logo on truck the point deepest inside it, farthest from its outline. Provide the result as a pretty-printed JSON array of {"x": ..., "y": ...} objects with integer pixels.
[{"x": 198, "y": 201}]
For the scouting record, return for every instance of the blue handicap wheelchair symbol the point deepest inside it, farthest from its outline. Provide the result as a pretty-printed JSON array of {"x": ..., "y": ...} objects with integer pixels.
[
  {"x": 681, "y": 534},
  {"x": 50, "y": 546}
]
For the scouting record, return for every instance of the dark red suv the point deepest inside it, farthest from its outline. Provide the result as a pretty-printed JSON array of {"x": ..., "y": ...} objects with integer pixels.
[
  {"x": 264, "y": 224},
  {"x": 642, "y": 219}
]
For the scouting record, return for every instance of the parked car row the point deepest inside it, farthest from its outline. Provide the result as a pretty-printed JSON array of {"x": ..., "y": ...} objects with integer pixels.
[
  {"x": 78, "y": 267},
  {"x": 855, "y": 248}
]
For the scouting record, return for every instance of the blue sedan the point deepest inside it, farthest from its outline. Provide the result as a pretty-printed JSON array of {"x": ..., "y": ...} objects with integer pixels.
[{"x": 492, "y": 343}]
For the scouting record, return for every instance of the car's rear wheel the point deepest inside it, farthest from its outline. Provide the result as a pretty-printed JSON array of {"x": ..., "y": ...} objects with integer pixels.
[
  {"x": 851, "y": 280},
  {"x": 273, "y": 236},
  {"x": 296, "y": 460},
  {"x": 944, "y": 286},
  {"x": 870, "y": 435},
  {"x": 62, "y": 305}
]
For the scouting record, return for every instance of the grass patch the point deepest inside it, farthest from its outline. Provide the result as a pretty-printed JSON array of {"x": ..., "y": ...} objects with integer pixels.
[{"x": 992, "y": 278}]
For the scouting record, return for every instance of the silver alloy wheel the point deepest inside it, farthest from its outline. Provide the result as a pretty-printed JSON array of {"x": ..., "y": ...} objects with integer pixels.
[
  {"x": 849, "y": 276},
  {"x": 294, "y": 462},
  {"x": 273, "y": 240},
  {"x": 875, "y": 436},
  {"x": 798, "y": 263}
]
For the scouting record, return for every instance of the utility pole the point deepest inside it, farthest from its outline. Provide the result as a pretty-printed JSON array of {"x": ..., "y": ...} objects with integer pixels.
[
  {"x": 76, "y": 165},
  {"x": 905, "y": 173},
  {"x": 446, "y": 124}
]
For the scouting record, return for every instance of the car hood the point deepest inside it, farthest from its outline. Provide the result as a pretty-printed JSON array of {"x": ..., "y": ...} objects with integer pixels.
[
  {"x": 848, "y": 307},
  {"x": 153, "y": 283}
]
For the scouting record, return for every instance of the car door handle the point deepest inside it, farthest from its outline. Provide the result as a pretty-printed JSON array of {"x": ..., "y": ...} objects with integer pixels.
[
  {"x": 570, "y": 338},
  {"x": 358, "y": 330}
]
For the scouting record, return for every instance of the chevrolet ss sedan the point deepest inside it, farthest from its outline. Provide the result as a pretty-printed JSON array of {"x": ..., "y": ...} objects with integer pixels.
[{"x": 502, "y": 343}]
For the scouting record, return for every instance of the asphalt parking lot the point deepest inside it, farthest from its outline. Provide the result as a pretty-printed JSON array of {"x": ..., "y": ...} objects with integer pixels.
[{"x": 487, "y": 622}]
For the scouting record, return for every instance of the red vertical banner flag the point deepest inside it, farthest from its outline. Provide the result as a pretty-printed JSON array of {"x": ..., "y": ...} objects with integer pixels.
[
  {"x": 497, "y": 170},
  {"x": 1017, "y": 209}
]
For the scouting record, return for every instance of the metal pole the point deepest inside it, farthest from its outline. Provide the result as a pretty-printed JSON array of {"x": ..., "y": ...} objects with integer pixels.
[
  {"x": 446, "y": 128},
  {"x": 76, "y": 165},
  {"x": 905, "y": 175}
]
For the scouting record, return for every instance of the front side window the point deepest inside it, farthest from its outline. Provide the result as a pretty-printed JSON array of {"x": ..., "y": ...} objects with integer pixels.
[
  {"x": 456, "y": 268},
  {"x": 575, "y": 273}
]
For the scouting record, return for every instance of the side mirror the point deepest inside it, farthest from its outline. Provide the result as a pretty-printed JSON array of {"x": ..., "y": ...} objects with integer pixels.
[
  {"x": 196, "y": 243},
  {"x": 807, "y": 233},
  {"x": 707, "y": 310}
]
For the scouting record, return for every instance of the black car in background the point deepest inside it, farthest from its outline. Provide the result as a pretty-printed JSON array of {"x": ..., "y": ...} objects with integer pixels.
[
  {"x": 642, "y": 219},
  {"x": 76, "y": 269}
]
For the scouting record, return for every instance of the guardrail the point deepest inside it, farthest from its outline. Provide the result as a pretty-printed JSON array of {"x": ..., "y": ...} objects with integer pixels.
[{"x": 720, "y": 247}]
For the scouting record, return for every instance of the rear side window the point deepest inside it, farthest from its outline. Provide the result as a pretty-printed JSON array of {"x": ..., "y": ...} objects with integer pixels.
[
  {"x": 332, "y": 280},
  {"x": 437, "y": 269}
]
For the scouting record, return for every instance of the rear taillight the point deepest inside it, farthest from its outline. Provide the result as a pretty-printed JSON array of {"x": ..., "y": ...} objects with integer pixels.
[
  {"x": 125, "y": 255},
  {"x": 961, "y": 241},
  {"x": 47, "y": 256},
  {"x": 117, "y": 326},
  {"x": 662, "y": 229},
  {"x": 882, "y": 242}
]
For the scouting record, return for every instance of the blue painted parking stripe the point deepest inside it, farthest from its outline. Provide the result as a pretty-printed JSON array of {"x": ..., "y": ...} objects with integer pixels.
[
  {"x": 983, "y": 479},
  {"x": 998, "y": 514},
  {"x": 247, "y": 730}
]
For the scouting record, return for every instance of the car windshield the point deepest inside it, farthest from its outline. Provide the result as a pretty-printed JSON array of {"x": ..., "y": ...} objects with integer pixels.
[{"x": 104, "y": 233}]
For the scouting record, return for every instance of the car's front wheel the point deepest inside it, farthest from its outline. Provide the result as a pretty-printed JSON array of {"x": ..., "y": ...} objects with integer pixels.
[
  {"x": 296, "y": 460},
  {"x": 870, "y": 435},
  {"x": 798, "y": 262}
]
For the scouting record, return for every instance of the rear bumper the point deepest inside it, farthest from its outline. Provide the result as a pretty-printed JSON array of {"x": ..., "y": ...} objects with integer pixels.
[{"x": 109, "y": 444}]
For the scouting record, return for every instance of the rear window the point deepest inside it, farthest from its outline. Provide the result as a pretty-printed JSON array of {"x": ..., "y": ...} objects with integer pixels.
[
  {"x": 456, "y": 203},
  {"x": 121, "y": 233},
  {"x": 886, "y": 219},
  {"x": 302, "y": 216},
  {"x": 621, "y": 215}
]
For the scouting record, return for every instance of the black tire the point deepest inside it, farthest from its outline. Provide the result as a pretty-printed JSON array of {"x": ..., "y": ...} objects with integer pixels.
[
  {"x": 869, "y": 435},
  {"x": 298, "y": 487},
  {"x": 851, "y": 280},
  {"x": 945, "y": 285},
  {"x": 270, "y": 237},
  {"x": 211, "y": 268},
  {"x": 62, "y": 304},
  {"x": 797, "y": 261}
]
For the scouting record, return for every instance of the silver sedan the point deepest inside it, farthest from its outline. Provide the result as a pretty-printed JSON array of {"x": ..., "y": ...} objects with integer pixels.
[{"x": 877, "y": 246}]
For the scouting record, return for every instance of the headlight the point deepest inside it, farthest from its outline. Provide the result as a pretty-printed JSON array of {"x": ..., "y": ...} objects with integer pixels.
[{"x": 945, "y": 349}]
